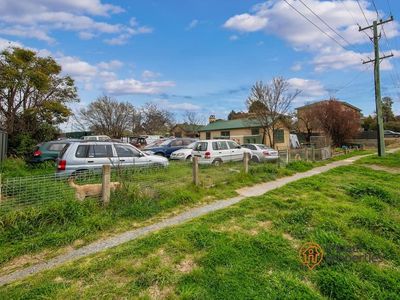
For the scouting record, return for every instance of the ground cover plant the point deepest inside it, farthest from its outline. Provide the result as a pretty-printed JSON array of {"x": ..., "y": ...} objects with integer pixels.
[
  {"x": 251, "y": 249},
  {"x": 44, "y": 229}
]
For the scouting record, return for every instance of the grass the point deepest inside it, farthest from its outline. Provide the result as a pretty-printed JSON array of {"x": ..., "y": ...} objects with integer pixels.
[
  {"x": 391, "y": 160},
  {"x": 48, "y": 227},
  {"x": 250, "y": 250},
  {"x": 18, "y": 167}
]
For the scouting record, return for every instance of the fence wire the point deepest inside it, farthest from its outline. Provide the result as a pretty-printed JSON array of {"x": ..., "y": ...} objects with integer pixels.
[{"x": 154, "y": 183}]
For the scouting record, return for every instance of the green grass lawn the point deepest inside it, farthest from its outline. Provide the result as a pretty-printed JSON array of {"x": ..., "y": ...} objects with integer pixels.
[{"x": 250, "y": 250}]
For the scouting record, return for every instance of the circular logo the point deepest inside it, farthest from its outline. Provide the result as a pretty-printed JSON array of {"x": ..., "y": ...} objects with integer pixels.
[{"x": 311, "y": 255}]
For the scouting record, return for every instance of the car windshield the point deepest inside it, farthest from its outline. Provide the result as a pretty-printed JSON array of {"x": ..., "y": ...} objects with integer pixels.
[
  {"x": 261, "y": 146},
  {"x": 165, "y": 143},
  {"x": 190, "y": 146}
]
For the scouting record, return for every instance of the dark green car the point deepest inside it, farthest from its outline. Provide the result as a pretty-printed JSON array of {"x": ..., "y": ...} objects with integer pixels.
[{"x": 48, "y": 151}]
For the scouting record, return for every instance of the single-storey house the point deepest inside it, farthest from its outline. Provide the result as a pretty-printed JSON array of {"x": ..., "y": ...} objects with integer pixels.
[
  {"x": 244, "y": 131},
  {"x": 186, "y": 130}
]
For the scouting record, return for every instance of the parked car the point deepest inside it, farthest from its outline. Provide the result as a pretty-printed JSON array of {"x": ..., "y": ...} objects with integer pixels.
[
  {"x": 96, "y": 138},
  {"x": 48, "y": 151},
  {"x": 260, "y": 152},
  {"x": 139, "y": 142},
  {"x": 218, "y": 151},
  {"x": 390, "y": 133},
  {"x": 168, "y": 146},
  {"x": 183, "y": 154},
  {"x": 89, "y": 155}
]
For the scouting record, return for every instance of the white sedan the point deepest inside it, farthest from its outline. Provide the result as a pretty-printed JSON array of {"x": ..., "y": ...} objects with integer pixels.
[{"x": 183, "y": 153}]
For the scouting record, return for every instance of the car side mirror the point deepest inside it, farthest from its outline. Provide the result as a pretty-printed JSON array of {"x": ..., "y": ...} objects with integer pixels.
[{"x": 238, "y": 147}]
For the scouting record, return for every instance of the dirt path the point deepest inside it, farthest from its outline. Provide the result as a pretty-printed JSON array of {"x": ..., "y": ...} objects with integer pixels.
[
  {"x": 385, "y": 169},
  {"x": 119, "y": 239}
]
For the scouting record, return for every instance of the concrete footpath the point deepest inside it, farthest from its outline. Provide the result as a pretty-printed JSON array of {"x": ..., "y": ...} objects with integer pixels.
[{"x": 122, "y": 238}]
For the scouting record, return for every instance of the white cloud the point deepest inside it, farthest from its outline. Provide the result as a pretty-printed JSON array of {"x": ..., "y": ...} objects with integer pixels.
[
  {"x": 37, "y": 19},
  {"x": 183, "y": 106},
  {"x": 147, "y": 74},
  {"x": 278, "y": 18},
  {"x": 192, "y": 24},
  {"x": 110, "y": 65},
  {"x": 308, "y": 87},
  {"x": 296, "y": 67},
  {"x": 133, "y": 86},
  {"x": 234, "y": 37},
  {"x": 246, "y": 23}
]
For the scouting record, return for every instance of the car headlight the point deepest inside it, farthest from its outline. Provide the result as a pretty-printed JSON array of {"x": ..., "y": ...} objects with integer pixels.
[{"x": 179, "y": 154}]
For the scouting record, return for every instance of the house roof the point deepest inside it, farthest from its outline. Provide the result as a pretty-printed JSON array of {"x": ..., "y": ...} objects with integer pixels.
[
  {"x": 316, "y": 102},
  {"x": 231, "y": 124}
]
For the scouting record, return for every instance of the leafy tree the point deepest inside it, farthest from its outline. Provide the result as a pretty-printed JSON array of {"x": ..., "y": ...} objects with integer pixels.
[
  {"x": 387, "y": 111},
  {"x": 369, "y": 123},
  {"x": 107, "y": 116},
  {"x": 32, "y": 92},
  {"x": 269, "y": 103}
]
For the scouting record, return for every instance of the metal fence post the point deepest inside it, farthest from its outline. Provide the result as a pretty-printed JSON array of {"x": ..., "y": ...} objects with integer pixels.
[
  {"x": 105, "y": 187},
  {"x": 246, "y": 162},
  {"x": 195, "y": 161}
]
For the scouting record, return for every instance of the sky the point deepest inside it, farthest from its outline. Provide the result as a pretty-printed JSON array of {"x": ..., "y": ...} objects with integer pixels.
[{"x": 204, "y": 55}]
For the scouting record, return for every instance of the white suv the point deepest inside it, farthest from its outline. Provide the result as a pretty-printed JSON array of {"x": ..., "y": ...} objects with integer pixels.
[{"x": 218, "y": 151}]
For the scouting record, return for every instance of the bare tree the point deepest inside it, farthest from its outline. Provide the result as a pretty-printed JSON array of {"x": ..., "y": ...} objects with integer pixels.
[
  {"x": 193, "y": 120},
  {"x": 336, "y": 121},
  {"x": 155, "y": 120},
  {"x": 107, "y": 116},
  {"x": 273, "y": 102},
  {"x": 307, "y": 120}
]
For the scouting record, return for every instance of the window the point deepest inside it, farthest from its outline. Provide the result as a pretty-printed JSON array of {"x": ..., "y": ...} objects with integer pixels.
[
  {"x": 232, "y": 145},
  {"x": 208, "y": 135},
  {"x": 225, "y": 134},
  {"x": 176, "y": 143},
  {"x": 100, "y": 151},
  {"x": 56, "y": 147},
  {"x": 220, "y": 145},
  {"x": 201, "y": 146},
  {"x": 255, "y": 131},
  {"x": 251, "y": 147},
  {"x": 126, "y": 151},
  {"x": 82, "y": 150},
  {"x": 187, "y": 142},
  {"x": 279, "y": 136}
]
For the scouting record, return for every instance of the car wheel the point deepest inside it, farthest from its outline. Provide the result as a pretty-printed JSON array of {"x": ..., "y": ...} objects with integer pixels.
[
  {"x": 217, "y": 162},
  {"x": 255, "y": 159},
  {"x": 189, "y": 158},
  {"x": 159, "y": 154}
]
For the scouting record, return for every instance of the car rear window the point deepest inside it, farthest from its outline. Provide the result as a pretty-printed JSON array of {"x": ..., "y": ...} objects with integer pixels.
[
  {"x": 201, "y": 146},
  {"x": 56, "y": 147},
  {"x": 100, "y": 151}
]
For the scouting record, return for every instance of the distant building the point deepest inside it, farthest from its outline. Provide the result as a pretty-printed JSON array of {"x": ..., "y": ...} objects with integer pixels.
[
  {"x": 244, "y": 131},
  {"x": 186, "y": 130},
  {"x": 307, "y": 123}
]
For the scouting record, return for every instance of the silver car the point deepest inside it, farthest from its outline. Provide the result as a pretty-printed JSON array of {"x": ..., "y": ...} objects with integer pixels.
[
  {"x": 90, "y": 155},
  {"x": 260, "y": 152}
]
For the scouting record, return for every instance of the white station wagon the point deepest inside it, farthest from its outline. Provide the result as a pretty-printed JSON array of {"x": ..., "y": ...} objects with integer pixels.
[{"x": 218, "y": 151}]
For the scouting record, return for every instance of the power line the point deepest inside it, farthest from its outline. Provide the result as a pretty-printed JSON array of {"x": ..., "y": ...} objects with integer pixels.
[
  {"x": 355, "y": 21},
  {"x": 300, "y": 13},
  {"x": 349, "y": 83},
  {"x": 362, "y": 10},
  {"x": 323, "y": 21}
]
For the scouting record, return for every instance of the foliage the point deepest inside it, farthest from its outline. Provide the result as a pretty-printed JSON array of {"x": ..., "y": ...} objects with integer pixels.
[
  {"x": 33, "y": 92},
  {"x": 369, "y": 123},
  {"x": 270, "y": 103},
  {"x": 250, "y": 250},
  {"x": 387, "y": 109},
  {"x": 336, "y": 120}
]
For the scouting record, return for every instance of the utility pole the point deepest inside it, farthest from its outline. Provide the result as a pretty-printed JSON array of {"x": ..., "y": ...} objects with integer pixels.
[{"x": 377, "y": 81}]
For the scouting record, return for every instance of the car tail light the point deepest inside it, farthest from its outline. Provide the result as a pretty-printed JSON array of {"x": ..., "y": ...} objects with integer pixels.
[
  {"x": 61, "y": 165},
  {"x": 266, "y": 153},
  {"x": 37, "y": 153},
  {"x": 207, "y": 155}
]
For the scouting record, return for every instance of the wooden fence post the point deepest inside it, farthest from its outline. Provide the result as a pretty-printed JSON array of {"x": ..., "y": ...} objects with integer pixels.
[
  {"x": 195, "y": 161},
  {"x": 313, "y": 154},
  {"x": 306, "y": 153},
  {"x": 246, "y": 162},
  {"x": 105, "y": 187},
  {"x": 287, "y": 155}
]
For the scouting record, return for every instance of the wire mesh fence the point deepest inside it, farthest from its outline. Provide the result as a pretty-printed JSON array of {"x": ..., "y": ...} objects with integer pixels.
[{"x": 150, "y": 182}]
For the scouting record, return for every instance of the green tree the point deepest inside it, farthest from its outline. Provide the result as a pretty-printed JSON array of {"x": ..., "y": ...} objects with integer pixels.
[
  {"x": 32, "y": 93},
  {"x": 387, "y": 111}
]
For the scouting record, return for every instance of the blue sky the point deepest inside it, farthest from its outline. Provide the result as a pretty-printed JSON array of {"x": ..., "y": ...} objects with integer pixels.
[{"x": 204, "y": 55}]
